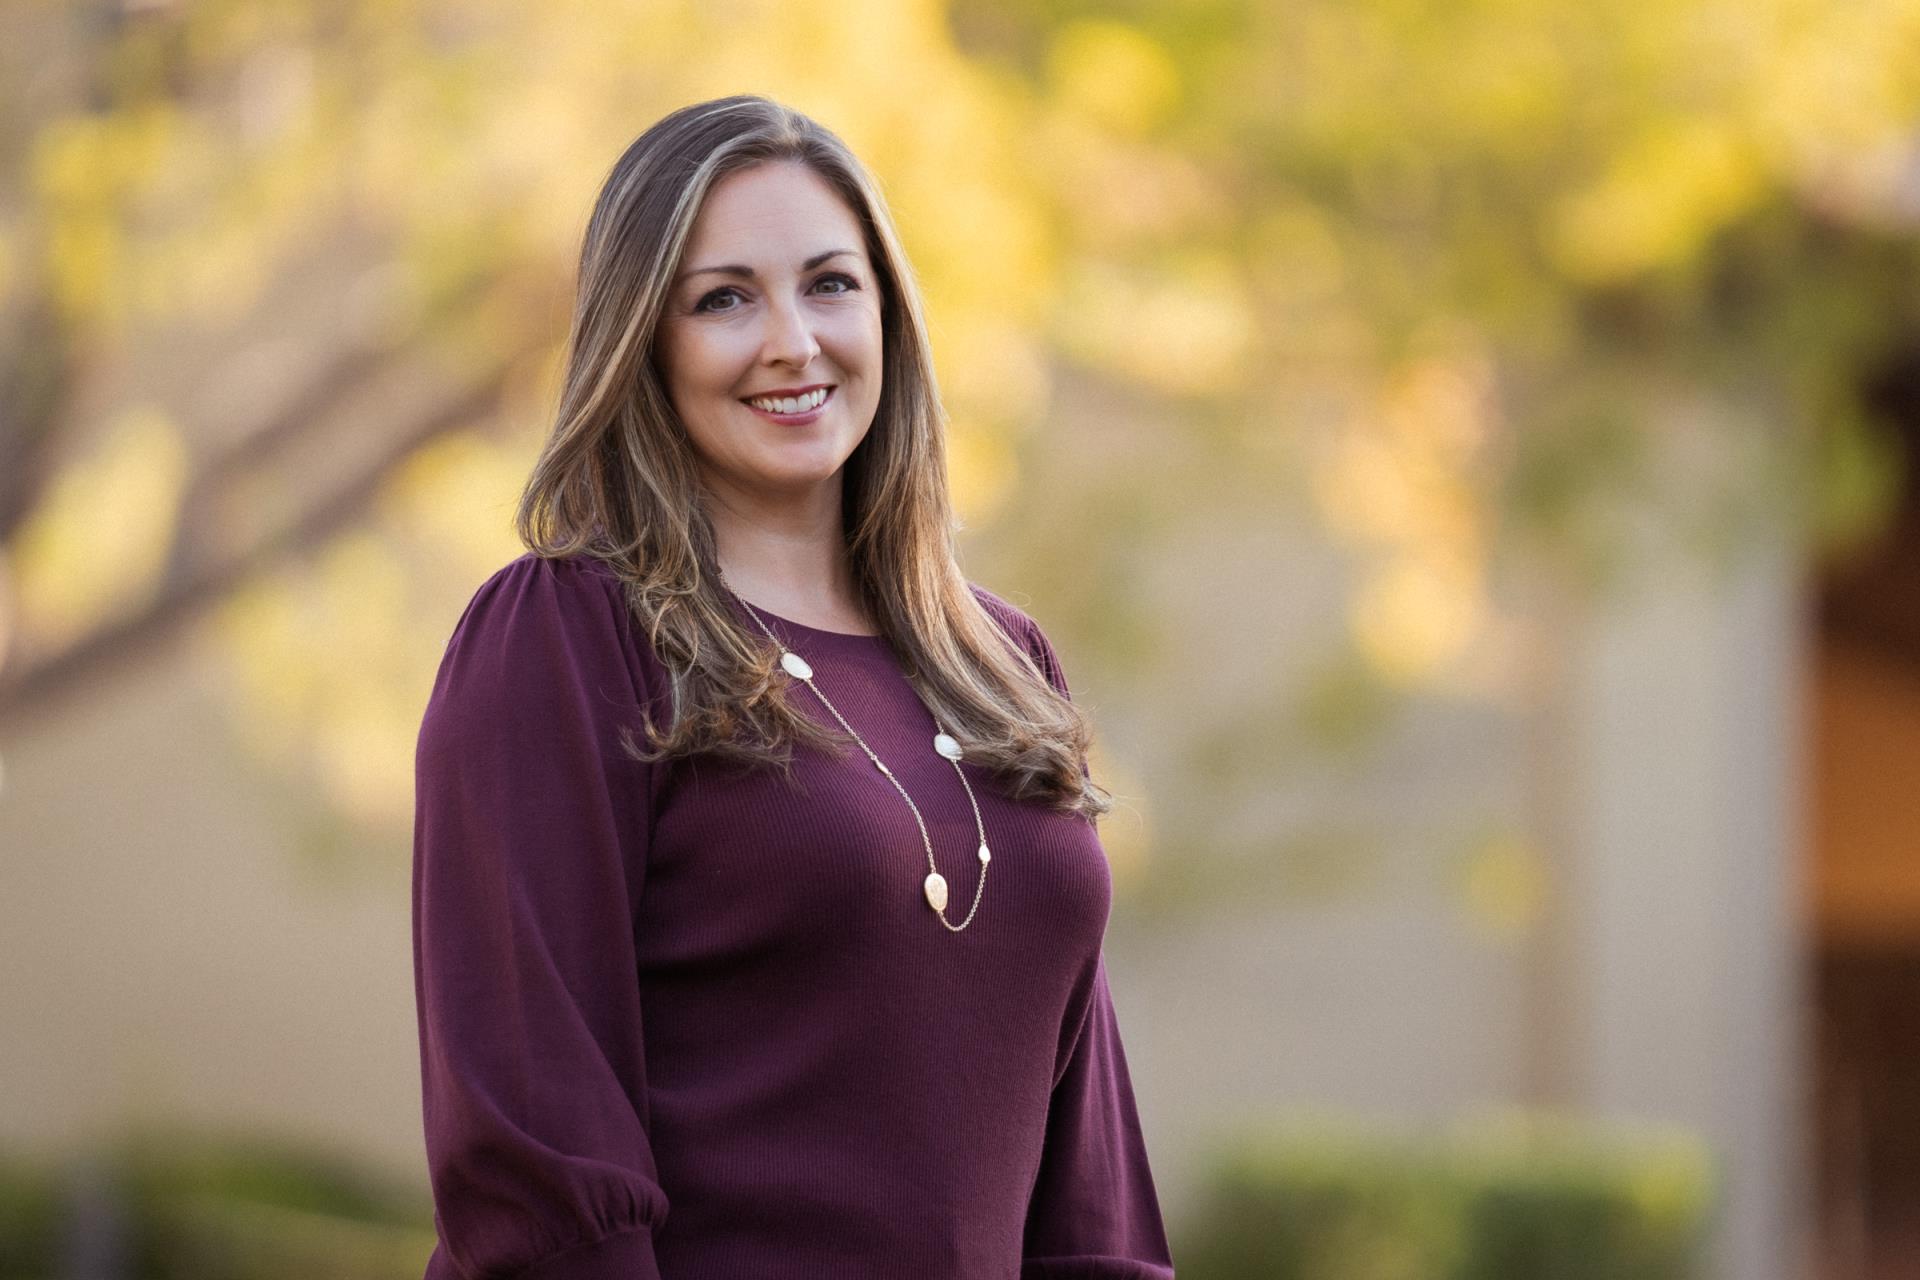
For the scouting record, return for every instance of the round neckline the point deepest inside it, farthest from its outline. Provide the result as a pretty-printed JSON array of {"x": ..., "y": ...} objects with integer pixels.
[{"x": 855, "y": 637}]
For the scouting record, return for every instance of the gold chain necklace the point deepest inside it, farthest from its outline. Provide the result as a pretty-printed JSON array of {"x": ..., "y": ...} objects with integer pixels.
[{"x": 944, "y": 745}]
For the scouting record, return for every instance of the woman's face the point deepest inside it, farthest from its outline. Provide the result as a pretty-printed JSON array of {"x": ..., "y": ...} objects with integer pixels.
[{"x": 775, "y": 297}]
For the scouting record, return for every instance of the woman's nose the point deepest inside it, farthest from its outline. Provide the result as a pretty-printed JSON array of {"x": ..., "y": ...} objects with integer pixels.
[{"x": 789, "y": 335}]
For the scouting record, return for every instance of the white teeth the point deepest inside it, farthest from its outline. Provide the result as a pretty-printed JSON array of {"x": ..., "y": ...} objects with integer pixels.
[{"x": 792, "y": 404}]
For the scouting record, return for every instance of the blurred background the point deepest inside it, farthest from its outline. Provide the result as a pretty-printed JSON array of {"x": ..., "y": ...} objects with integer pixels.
[{"x": 1463, "y": 453}]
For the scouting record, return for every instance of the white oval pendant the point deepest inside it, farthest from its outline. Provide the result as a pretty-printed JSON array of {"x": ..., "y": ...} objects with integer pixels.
[
  {"x": 985, "y": 857},
  {"x": 936, "y": 887},
  {"x": 796, "y": 665},
  {"x": 945, "y": 744}
]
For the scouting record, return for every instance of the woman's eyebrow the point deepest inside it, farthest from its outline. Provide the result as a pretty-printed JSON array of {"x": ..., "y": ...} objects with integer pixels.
[{"x": 747, "y": 273}]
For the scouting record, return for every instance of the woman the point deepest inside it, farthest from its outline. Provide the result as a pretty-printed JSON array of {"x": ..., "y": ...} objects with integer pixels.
[{"x": 708, "y": 988}]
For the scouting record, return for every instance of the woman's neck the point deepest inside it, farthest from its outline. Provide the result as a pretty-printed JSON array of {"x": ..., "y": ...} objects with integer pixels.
[{"x": 795, "y": 567}]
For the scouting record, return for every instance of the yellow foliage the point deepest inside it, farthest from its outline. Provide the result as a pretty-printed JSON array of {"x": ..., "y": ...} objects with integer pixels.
[
  {"x": 1114, "y": 74},
  {"x": 260, "y": 627},
  {"x": 1187, "y": 332},
  {"x": 1435, "y": 406},
  {"x": 1664, "y": 195},
  {"x": 1374, "y": 488},
  {"x": 364, "y": 754},
  {"x": 364, "y": 732},
  {"x": 1417, "y": 613},
  {"x": 97, "y": 542},
  {"x": 84, "y": 257},
  {"x": 992, "y": 370},
  {"x": 974, "y": 246},
  {"x": 1295, "y": 250},
  {"x": 980, "y": 472},
  {"x": 1338, "y": 168},
  {"x": 320, "y": 678},
  {"x": 1118, "y": 196},
  {"x": 1369, "y": 491},
  {"x": 1835, "y": 93},
  {"x": 1503, "y": 885},
  {"x": 455, "y": 499},
  {"x": 84, "y": 169},
  {"x": 1402, "y": 482},
  {"x": 72, "y": 160}
]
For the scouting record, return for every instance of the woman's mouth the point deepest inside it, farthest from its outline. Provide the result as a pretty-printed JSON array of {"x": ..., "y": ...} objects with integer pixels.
[{"x": 793, "y": 411}]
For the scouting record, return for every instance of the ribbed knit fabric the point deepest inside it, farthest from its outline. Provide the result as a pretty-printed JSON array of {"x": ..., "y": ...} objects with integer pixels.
[{"x": 683, "y": 1022}]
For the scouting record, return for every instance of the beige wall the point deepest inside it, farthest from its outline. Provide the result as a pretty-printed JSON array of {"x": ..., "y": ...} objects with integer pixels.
[{"x": 165, "y": 951}]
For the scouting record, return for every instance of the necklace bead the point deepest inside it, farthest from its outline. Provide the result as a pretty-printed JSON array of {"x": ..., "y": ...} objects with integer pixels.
[{"x": 944, "y": 744}]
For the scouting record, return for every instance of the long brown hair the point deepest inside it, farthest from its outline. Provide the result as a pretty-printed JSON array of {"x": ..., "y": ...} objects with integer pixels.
[{"x": 618, "y": 480}]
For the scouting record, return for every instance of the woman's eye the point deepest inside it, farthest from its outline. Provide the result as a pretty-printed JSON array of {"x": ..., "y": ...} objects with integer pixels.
[{"x": 708, "y": 303}]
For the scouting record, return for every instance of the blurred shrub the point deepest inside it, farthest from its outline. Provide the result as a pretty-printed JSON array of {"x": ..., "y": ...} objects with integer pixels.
[
  {"x": 1535, "y": 1198},
  {"x": 29, "y": 1219},
  {"x": 190, "y": 1207}
]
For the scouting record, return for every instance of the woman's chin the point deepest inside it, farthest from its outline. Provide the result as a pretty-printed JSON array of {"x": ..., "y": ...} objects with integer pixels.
[{"x": 795, "y": 473}]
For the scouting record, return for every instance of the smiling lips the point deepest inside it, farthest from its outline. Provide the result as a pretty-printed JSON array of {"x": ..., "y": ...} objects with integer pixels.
[{"x": 798, "y": 407}]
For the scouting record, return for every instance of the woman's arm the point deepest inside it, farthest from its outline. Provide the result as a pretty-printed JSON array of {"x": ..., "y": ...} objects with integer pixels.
[
  {"x": 1093, "y": 1213},
  {"x": 529, "y": 855}
]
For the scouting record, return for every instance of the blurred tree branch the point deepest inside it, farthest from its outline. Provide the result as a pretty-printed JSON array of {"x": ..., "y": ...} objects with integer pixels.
[
  {"x": 85, "y": 53},
  {"x": 197, "y": 579}
]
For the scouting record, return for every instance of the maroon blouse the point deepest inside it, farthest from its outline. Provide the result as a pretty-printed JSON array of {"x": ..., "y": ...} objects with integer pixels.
[{"x": 684, "y": 1021}]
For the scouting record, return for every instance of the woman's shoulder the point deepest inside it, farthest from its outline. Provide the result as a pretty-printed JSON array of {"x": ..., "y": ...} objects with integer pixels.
[
  {"x": 1013, "y": 620},
  {"x": 575, "y": 572},
  {"x": 538, "y": 584},
  {"x": 541, "y": 650},
  {"x": 536, "y": 610},
  {"x": 1021, "y": 627}
]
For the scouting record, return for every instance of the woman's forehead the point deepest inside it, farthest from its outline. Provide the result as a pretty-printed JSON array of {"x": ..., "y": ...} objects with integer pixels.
[{"x": 776, "y": 216}]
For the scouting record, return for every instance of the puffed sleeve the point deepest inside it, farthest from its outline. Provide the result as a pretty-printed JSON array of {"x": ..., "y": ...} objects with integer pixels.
[
  {"x": 530, "y": 831},
  {"x": 1093, "y": 1213}
]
